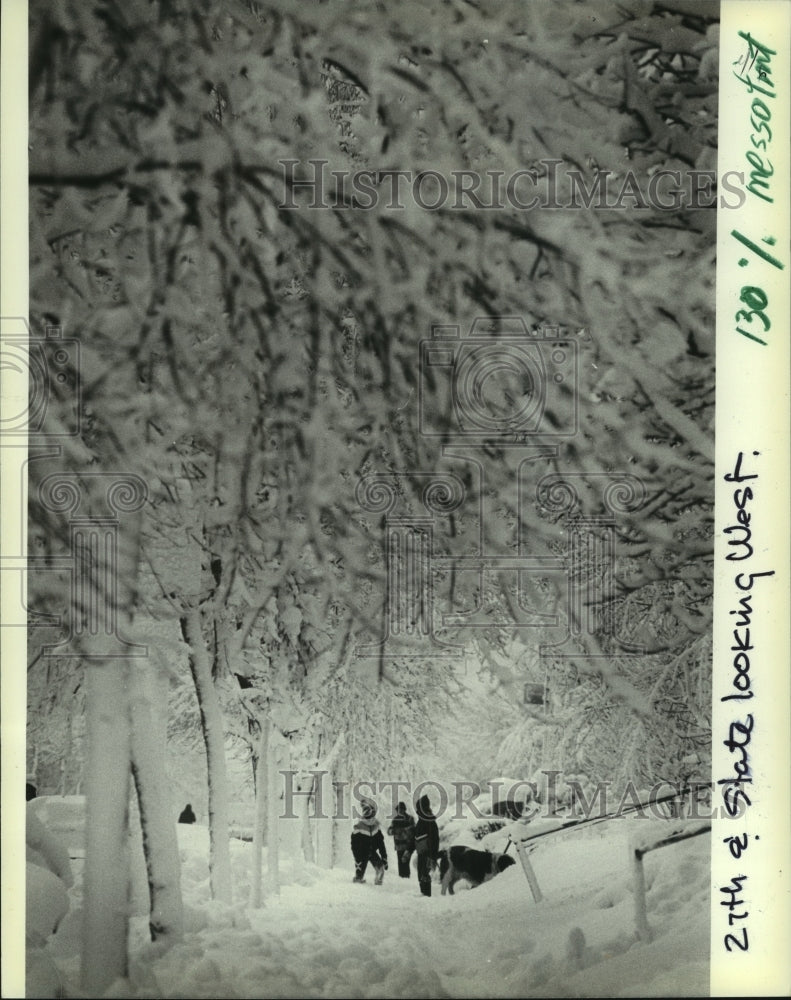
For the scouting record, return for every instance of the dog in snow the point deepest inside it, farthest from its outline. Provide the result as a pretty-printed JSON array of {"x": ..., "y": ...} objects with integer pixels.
[{"x": 456, "y": 863}]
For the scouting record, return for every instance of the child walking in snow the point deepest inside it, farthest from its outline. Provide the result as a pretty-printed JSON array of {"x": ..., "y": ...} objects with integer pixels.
[
  {"x": 368, "y": 844},
  {"x": 427, "y": 844},
  {"x": 402, "y": 830}
]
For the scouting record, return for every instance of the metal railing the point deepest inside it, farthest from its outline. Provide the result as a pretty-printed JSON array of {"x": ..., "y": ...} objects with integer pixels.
[{"x": 525, "y": 845}]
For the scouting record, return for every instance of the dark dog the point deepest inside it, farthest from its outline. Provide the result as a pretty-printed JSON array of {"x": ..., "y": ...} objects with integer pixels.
[{"x": 466, "y": 863}]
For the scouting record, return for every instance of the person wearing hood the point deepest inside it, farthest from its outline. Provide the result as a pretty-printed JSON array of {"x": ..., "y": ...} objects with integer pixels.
[
  {"x": 368, "y": 844},
  {"x": 426, "y": 843},
  {"x": 187, "y": 815},
  {"x": 402, "y": 830}
]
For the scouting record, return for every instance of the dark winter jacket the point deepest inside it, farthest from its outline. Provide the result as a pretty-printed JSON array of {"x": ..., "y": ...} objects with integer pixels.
[
  {"x": 187, "y": 815},
  {"x": 402, "y": 829},
  {"x": 426, "y": 830},
  {"x": 368, "y": 844}
]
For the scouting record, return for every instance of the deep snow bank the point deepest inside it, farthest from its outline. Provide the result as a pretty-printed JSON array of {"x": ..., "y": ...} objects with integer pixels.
[{"x": 325, "y": 937}]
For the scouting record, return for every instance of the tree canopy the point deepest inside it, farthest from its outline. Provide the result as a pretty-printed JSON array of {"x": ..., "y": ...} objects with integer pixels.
[{"x": 255, "y": 363}]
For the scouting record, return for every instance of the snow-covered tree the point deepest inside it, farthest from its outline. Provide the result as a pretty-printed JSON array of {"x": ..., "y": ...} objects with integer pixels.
[{"x": 270, "y": 355}]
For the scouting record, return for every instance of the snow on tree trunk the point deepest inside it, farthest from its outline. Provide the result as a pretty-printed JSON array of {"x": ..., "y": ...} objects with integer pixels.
[
  {"x": 273, "y": 817},
  {"x": 107, "y": 771},
  {"x": 69, "y": 760},
  {"x": 326, "y": 808},
  {"x": 307, "y": 785},
  {"x": 324, "y": 823},
  {"x": 261, "y": 796},
  {"x": 160, "y": 846},
  {"x": 214, "y": 741}
]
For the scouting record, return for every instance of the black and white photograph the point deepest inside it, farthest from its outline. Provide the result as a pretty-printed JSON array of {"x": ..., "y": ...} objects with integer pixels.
[{"x": 363, "y": 475}]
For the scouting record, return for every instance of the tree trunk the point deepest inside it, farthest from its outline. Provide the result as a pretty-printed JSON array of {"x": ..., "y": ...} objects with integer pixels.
[
  {"x": 273, "y": 817},
  {"x": 307, "y": 784},
  {"x": 324, "y": 822},
  {"x": 214, "y": 741},
  {"x": 326, "y": 806},
  {"x": 160, "y": 846},
  {"x": 106, "y": 885},
  {"x": 69, "y": 757},
  {"x": 261, "y": 796},
  {"x": 253, "y": 728}
]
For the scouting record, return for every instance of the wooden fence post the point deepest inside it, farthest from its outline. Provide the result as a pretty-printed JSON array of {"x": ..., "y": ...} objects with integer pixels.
[
  {"x": 638, "y": 889},
  {"x": 530, "y": 874}
]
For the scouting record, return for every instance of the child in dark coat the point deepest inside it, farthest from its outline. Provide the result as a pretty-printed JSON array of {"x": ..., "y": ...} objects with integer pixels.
[
  {"x": 368, "y": 844},
  {"x": 402, "y": 830},
  {"x": 427, "y": 844},
  {"x": 187, "y": 815}
]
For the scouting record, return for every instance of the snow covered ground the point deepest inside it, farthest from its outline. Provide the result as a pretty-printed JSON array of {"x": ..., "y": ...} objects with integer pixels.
[{"x": 325, "y": 937}]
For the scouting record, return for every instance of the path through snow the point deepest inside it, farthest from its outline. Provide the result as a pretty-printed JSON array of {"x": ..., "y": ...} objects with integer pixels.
[{"x": 325, "y": 937}]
